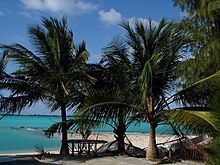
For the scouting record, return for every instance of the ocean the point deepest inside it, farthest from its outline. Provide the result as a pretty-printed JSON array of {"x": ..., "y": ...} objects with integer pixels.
[{"x": 23, "y": 133}]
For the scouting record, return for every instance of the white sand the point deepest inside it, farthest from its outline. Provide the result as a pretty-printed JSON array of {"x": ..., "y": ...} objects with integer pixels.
[
  {"x": 64, "y": 160},
  {"x": 137, "y": 139}
]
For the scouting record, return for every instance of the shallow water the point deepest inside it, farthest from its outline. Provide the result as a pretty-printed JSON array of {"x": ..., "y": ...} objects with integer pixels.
[{"x": 23, "y": 133}]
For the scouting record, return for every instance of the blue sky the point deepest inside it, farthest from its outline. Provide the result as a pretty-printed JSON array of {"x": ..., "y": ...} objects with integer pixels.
[{"x": 95, "y": 21}]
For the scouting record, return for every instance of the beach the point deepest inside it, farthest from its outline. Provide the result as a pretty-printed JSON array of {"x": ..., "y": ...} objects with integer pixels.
[
  {"x": 29, "y": 130},
  {"x": 64, "y": 160},
  {"x": 22, "y": 150},
  {"x": 137, "y": 139}
]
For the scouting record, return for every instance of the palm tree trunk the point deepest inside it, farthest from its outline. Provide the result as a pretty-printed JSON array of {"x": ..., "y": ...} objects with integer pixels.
[
  {"x": 121, "y": 134},
  {"x": 120, "y": 139},
  {"x": 64, "y": 146},
  {"x": 152, "y": 151}
]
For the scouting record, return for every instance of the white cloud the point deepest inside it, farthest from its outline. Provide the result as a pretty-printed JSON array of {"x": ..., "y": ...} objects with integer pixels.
[
  {"x": 32, "y": 15},
  {"x": 72, "y": 7},
  {"x": 110, "y": 17},
  {"x": 143, "y": 20}
]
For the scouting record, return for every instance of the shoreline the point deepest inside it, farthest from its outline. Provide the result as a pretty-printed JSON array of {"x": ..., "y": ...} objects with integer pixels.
[{"x": 137, "y": 139}]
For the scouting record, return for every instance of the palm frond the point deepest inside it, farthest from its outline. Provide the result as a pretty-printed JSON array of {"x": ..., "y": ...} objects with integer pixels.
[
  {"x": 193, "y": 121},
  {"x": 15, "y": 104},
  {"x": 200, "y": 92},
  {"x": 145, "y": 81},
  {"x": 3, "y": 63},
  {"x": 115, "y": 52}
]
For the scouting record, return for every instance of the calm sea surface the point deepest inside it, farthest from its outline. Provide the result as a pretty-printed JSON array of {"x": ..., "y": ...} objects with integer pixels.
[{"x": 23, "y": 133}]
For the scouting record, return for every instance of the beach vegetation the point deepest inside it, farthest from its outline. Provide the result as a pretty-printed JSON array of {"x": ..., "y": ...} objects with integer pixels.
[
  {"x": 110, "y": 85},
  {"x": 151, "y": 54},
  {"x": 51, "y": 72},
  {"x": 40, "y": 149},
  {"x": 142, "y": 76},
  {"x": 201, "y": 18},
  {"x": 111, "y": 89}
]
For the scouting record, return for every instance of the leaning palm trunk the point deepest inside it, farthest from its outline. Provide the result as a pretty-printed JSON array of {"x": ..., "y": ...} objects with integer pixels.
[
  {"x": 152, "y": 151},
  {"x": 64, "y": 146}
]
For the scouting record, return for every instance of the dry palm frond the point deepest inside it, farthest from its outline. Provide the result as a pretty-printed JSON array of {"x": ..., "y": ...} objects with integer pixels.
[
  {"x": 193, "y": 151},
  {"x": 53, "y": 129}
]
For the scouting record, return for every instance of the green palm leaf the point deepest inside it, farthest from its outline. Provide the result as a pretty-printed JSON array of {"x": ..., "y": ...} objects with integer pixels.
[
  {"x": 199, "y": 92},
  {"x": 55, "y": 72},
  {"x": 193, "y": 121}
]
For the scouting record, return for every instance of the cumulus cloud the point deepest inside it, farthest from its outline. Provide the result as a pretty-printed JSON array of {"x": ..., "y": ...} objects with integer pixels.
[
  {"x": 110, "y": 17},
  {"x": 72, "y": 7}
]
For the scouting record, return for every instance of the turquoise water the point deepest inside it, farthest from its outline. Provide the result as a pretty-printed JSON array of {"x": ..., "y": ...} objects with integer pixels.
[{"x": 23, "y": 133}]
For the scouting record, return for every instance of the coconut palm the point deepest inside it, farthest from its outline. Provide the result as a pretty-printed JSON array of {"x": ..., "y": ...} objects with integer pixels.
[
  {"x": 156, "y": 56},
  {"x": 110, "y": 85},
  {"x": 154, "y": 52},
  {"x": 52, "y": 73}
]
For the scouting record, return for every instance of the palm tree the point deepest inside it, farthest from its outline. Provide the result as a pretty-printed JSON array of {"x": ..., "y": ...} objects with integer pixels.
[
  {"x": 52, "y": 74},
  {"x": 110, "y": 85},
  {"x": 155, "y": 57},
  {"x": 154, "y": 52}
]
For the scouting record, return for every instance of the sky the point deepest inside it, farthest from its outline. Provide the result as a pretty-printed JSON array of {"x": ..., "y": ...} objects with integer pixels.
[{"x": 94, "y": 21}]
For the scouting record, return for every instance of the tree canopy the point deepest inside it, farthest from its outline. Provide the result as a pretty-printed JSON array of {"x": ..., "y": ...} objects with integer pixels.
[
  {"x": 202, "y": 20},
  {"x": 142, "y": 67},
  {"x": 53, "y": 72}
]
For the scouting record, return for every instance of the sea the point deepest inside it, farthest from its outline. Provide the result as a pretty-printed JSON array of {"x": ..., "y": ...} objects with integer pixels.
[{"x": 21, "y": 133}]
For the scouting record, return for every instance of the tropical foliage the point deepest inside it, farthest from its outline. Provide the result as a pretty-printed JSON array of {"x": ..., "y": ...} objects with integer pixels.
[
  {"x": 136, "y": 80},
  {"x": 150, "y": 56},
  {"x": 52, "y": 73},
  {"x": 202, "y": 21},
  {"x": 215, "y": 146},
  {"x": 106, "y": 98}
]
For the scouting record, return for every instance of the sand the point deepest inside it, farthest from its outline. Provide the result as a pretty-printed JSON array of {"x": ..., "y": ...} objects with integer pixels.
[
  {"x": 31, "y": 159},
  {"x": 137, "y": 139},
  {"x": 69, "y": 160}
]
